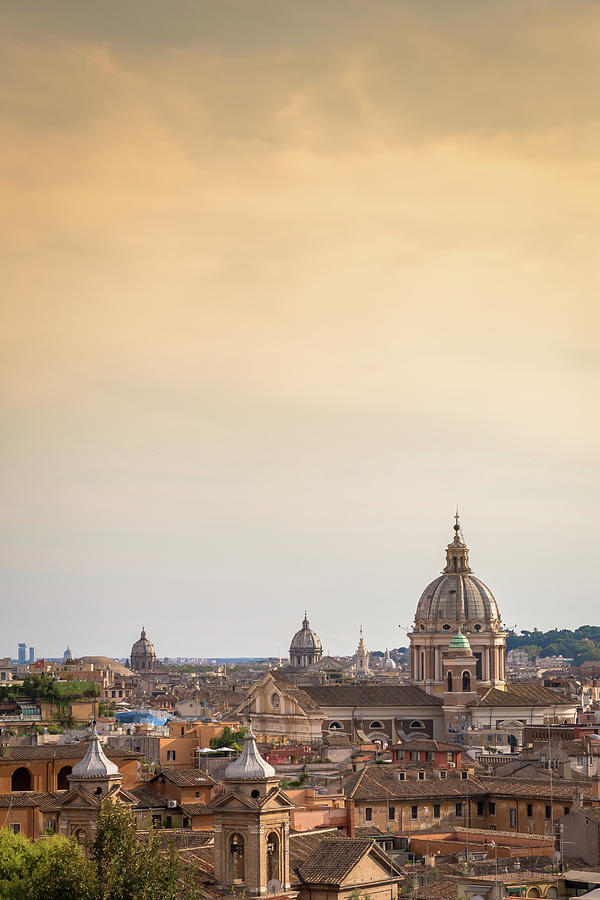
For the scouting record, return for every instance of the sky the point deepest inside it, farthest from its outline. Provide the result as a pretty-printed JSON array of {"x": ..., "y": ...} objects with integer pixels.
[{"x": 282, "y": 283}]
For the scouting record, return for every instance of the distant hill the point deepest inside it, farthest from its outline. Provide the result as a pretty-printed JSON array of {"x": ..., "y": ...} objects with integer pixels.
[{"x": 580, "y": 645}]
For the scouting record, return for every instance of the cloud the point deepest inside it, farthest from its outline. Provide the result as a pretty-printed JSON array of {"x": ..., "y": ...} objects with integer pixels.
[{"x": 272, "y": 272}]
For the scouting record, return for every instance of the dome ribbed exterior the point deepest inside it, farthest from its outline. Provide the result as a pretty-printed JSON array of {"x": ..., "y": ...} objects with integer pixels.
[
  {"x": 305, "y": 639},
  {"x": 459, "y": 642},
  {"x": 457, "y": 599},
  {"x": 95, "y": 762},
  {"x": 249, "y": 766}
]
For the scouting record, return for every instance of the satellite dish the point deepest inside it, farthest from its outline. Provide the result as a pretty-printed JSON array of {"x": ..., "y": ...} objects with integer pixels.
[{"x": 273, "y": 886}]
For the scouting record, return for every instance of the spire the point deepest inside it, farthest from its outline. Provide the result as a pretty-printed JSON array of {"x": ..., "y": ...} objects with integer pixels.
[
  {"x": 305, "y": 620},
  {"x": 457, "y": 552}
]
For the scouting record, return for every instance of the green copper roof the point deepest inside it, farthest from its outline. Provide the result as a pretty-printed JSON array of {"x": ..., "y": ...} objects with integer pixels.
[{"x": 459, "y": 642}]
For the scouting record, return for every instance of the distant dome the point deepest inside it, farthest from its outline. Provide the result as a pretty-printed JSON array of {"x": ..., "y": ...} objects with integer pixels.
[
  {"x": 305, "y": 639},
  {"x": 457, "y": 597},
  {"x": 305, "y": 650},
  {"x": 143, "y": 654},
  {"x": 388, "y": 662}
]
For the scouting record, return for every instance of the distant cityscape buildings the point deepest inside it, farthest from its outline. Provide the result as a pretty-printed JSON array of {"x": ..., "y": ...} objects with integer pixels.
[{"x": 24, "y": 656}]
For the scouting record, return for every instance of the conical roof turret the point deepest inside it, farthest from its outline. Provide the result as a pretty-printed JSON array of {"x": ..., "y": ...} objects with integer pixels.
[
  {"x": 249, "y": 766},
  {"x": 95, "y": 762}
]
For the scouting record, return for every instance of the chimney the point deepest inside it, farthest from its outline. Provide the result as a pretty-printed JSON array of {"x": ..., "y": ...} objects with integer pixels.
[
  {"x": 577, "y": 800},
  {"x": 350, "y": 807}
]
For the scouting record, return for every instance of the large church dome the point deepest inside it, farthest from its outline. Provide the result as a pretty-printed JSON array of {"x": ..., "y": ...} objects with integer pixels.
[
  {"x": 457, "y": 598},
  {"x": 305, "y": 639},
  {"x": 305, "y": 650},
  {"x": 143, "y": 655}
]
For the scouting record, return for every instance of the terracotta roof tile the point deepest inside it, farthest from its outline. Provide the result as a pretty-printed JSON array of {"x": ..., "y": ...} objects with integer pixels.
[{"x": 370, "y": 695}]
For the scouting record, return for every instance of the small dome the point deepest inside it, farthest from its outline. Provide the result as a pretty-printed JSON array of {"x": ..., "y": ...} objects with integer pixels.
[
  {"x": 95, "y": 762},
  {"x": 249, "y": 766},
  {"x": 388, "y": 662},
  {"x": 459, "y": 641},
  {"x": 305, "y": 639}
]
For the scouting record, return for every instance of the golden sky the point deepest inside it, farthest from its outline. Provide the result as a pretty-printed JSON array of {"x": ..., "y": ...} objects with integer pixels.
[{"x": 281, "y": 283}]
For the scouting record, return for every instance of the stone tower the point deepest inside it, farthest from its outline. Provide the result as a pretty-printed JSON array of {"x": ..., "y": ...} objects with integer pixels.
[
  {"x": 94, "y": 778},
  {"x": 361, "y": 659},
  {"x": 251, "y": 827}
]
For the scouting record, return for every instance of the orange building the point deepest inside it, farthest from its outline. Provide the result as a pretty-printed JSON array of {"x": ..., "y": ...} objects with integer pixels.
[
  {"x": 186, "y": 738},
  {"x": 45, "y": 767}
]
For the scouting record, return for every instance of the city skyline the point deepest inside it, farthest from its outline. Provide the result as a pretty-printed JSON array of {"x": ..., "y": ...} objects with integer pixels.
[{"x": 282, "y": 284}]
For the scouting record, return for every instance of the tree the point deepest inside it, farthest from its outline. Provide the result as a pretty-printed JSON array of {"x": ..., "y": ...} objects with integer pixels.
[
  {"x": 54, "y": 868},
  {"x": 229, "y": 738},
  {"x": 130, "y": 869},
  {"x": 60, "y": 870}
]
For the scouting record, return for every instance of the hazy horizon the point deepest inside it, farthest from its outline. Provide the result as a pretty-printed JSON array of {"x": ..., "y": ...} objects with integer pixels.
[{"x": 282, "y": 283}]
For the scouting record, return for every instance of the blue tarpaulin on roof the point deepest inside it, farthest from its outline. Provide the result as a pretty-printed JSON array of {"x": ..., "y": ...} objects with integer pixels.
[{"x": 139, "y": 717}]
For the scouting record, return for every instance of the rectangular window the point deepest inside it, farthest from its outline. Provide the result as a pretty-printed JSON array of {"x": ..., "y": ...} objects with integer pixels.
[
  {"x": 443, "y": 774},
  {"x": 197, "y": 793},
  {"x": 391, "y": 812},
  {"x": 401, "y": 776},
  {"x": 430, "y": 756},
  {"x": 414, "y": 812},
  {"x": 170, "y": 756},
  {"x": 459, "y": 809},
  {"x": 449, "y": 756},
  {"x": 436, "y": 810},
  {"x": 15, "y": 828},
  {"x": 464, "y": 775},
  {"x": 368, "y": 814},
  {"x": 421, "y": 776},
  {"x": 566, "y": 809},
  {"x": 512, "y": 817},
  {"x": 492, "y": 808},
  {"x": 187, "y": 823},
  {"x": 414, "y": 755},
  {"x": 530, "y": 810},
  {"x": 548, "y": 812},
  {"x": 480, "y": 807}
]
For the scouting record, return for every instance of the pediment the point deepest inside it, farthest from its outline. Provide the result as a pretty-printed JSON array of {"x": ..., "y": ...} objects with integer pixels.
[
  {"x": 276, "y": 799},
  {"x": 233, "y": 799},
  {"x": 79, "y": 798}
]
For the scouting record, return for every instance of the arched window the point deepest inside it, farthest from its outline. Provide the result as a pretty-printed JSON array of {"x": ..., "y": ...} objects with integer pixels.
[
  {"x": 466, "y": 679},
  {"x": 375, "y": 725},
  {"x": 449, "y": 682},
  {"x": 416, "y": 724},
  {"x": 21, "y": 780},
  {"x": 335, "y": 726},
  {"x": 237, "y": 858},
  {"x": 62, "y": 782},
  {"x": 272, "y": 856}
]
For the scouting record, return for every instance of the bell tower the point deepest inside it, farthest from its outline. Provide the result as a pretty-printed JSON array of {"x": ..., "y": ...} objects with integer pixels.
[{"x": 252, "y": 827}]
